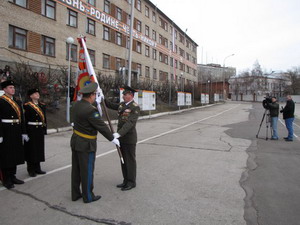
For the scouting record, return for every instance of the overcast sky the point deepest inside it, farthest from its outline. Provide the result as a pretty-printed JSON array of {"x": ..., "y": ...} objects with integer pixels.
[{"x": 263, "y": 30}]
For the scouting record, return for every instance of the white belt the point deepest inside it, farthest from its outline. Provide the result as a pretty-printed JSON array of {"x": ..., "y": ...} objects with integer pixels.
[
  {"x": 10, "y": 121},
  {"x": 35, "y": 123}
]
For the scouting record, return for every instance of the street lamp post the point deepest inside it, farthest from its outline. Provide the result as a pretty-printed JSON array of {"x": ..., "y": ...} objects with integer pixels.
[
  {"x": 70, "y": 41},
  {"x": 224, "y": 75}
]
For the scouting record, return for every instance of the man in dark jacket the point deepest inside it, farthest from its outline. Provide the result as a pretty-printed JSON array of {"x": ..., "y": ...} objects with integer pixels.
[
  {"x": 12, "y": 135},
  {"x": 288, "y": 116},
  {"x": 35, "y": 116},
  {"x": 128, "y": 113},
  {"x": 274, "y": 111},
  {"x": 87, "y": 121}
]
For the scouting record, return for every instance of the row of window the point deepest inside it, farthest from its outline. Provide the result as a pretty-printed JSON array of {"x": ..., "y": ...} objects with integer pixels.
[
  {"x": 18, "y": 39},
  {"x": 49, "y": 10}
]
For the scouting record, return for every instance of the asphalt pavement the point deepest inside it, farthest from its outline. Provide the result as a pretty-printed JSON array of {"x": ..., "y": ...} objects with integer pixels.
[{"x": 201, "y": 166}]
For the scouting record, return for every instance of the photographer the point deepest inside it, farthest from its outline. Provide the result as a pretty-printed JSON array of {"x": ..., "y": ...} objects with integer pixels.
[
  {"x": 288, "y": 116},
  {"x": 273, "y": 106}
]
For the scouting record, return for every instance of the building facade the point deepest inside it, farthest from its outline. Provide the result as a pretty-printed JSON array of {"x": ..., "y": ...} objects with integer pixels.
[
  {"x": 213, "y": 78},
  {"x": 255, "y": 88},
  {"x": 35, "y": 32}
]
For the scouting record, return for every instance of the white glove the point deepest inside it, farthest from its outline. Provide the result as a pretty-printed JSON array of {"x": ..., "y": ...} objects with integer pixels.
[
  {"x": 98, "y": 98},
  {"x": 116, "y": 142},
  {"x": 116, "y": 135},
  {"x": 101, "y": 94},
  {"x": 25, "y": 137},
  {"x": 1, "y": 140}
]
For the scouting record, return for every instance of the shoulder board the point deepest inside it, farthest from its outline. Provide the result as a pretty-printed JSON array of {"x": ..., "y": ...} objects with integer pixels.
[
  {"x": 26, "y": 103},
  {"x": 135, "y": 104}
]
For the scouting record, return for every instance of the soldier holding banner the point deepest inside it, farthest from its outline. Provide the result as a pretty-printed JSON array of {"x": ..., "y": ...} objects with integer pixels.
[
  {"x": 12, "y": 135},
  {"x": 35, "y": 115},
  {"x": 87, "y": 121},
  {"x": 128, "y": 113}
]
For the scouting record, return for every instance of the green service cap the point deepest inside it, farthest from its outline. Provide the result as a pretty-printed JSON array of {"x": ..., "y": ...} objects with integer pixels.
[
  {"x": 128, "y": 89},
  {"x": 90, "y": 88}
]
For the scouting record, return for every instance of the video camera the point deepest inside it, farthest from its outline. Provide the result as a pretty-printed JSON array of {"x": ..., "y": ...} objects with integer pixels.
[{"x": 266, "y": 102}]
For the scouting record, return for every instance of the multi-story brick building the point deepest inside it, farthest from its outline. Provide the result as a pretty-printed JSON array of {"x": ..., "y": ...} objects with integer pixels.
[{"x": 35, "y": 32}]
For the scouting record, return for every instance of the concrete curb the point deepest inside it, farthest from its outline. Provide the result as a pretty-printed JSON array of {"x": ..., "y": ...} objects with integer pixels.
[{"x": 69, "y": 128}]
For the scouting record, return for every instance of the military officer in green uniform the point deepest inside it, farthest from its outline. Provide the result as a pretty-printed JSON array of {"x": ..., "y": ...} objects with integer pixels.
[
  {"x": 87, "y": 121},
  {"x": 128, "y": 113}
]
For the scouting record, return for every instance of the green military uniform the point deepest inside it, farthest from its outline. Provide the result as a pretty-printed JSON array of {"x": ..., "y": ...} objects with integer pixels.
[
  {"x": 87, "y": 121},
  {"x": 127, "y": 117}
]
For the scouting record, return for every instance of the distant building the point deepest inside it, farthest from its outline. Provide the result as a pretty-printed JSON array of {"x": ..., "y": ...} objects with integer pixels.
[
  {"x": 213, "y": 78},
  {"x": 255, "y": 88}
]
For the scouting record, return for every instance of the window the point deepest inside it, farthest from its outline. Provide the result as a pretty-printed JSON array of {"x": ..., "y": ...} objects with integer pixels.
[
  {"x": 160, "y": 39},
  {"x": 154, "y": 74},
  {"x": 147, "y": 11},
  {"x": 154, "y": 35},
  {"x": 147, "y": 51},
  {"x": 171, "y": 61},
  {"x": 138, "y": 5},
  {"x": 154, "y": 17},
  {"x": 72, "y": 18},
  {"x": 139, "y": 69},
  {"x": 106, "y": 63},
  {"x": 48, "y": 46},
  {"x": 73, "y": 52},
  {"x": 48, "y": 8},
  {"x": 106, "y": 33},
  {"x": 188, "y": 69},
  {"x": 118, "y": 63},
  {"x": 92, "y": 56},
  {"x": 166, "y": 59},
  {"x": 17, "y": 38},
  {"x": 139, "y": 47},
  {"x": 154, "y": 54},
  {"x": 181, "y": 52},
  {"x": 166, "y": 43},
  {"x": 146, "y": 30},
  {"x": 147, "y": 71},
  {"x": 92, "y": 2},
  {"x": 118, "y": 38},
  {"x": 139, "y": 25},
  {"x": 176, "y": 63},
  {"x": 107, "y": 7},
  {"x": 171, "y": 45},
  {"x": 160, "y": 57},
  {"x": 119, "y": 14},
  {"x": 22, "y": 3},
  {"x": 91, "y": 26}
]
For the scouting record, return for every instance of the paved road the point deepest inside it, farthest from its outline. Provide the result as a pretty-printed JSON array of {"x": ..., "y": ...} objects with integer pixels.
[{"x": 193, "y": 168}]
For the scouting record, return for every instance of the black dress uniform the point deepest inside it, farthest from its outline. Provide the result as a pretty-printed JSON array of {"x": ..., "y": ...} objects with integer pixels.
[
  {"x": 12, "y": 127},
  {"x": 87, "y": 121},
  {"x": 35, "y": 116},
  {"x": 127, "y": 117}
]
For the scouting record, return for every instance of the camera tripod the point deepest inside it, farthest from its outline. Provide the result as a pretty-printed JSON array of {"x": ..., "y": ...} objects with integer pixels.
[{"x": 268, "y": 123}]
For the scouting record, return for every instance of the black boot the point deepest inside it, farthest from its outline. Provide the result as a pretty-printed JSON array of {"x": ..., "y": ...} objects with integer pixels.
[{"x": 38, "y": 169}]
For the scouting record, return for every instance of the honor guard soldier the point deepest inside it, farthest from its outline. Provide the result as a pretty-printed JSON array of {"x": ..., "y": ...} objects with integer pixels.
[
  {"x": 87, "y": 121},
  {"x": 128, "y": 113},
  {"x": 35, "y": 117},
  {"x": 12, "y": 135}
]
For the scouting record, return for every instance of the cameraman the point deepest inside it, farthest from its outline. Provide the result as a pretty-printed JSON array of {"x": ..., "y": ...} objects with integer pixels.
[
  {"x": 288, "y": 116},
  {"x": 273, "y": 106}
]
